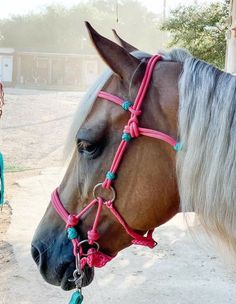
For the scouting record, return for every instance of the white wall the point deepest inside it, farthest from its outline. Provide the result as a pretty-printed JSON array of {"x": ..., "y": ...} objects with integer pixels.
[
  {"x": 230, "y": 64},
  {"x": 6, "y": 68}
]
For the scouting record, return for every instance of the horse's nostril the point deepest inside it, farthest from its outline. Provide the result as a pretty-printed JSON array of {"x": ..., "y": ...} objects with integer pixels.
[{"x": 36, "y": 255}]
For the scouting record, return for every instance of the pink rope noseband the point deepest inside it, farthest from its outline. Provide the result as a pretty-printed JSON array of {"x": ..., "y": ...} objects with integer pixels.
[{"x": 132, "y": 130}]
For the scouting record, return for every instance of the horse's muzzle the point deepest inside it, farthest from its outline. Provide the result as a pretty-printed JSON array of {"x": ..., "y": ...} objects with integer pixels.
[{"x": 56, "y": 264}]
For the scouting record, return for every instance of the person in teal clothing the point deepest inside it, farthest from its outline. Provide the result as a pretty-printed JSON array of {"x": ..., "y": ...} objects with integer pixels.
[
  {"x": 1, "y": 180},
  {"x": 1, "y": 156},
  {"x": 1, "y": 98}
]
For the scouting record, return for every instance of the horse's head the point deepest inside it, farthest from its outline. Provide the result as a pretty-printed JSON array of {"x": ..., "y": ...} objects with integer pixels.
[{"x": 146, "y": 187}]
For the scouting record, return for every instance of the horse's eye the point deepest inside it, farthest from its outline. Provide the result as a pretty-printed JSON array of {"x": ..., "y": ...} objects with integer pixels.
[{"x": 89, "y": 150}]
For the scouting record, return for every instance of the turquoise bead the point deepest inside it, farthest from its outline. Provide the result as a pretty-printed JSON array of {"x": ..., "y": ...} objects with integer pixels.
[
  {"x": 126, "y": 104},
  {"x": 126, "y": 136},
  {"x": 77, "y": 298},
  {"x": 177, "y": 147},
  {"x": 110, "y": 175},
  {"x": 72, "y": 233}
]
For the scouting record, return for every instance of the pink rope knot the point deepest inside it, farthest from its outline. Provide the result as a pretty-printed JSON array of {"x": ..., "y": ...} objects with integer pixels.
[
  {"x": 133, "y": 127},
  {"x": 109, "y": 204},
  {"x": 93, "y": 236},
  {"x": 95, "y": 259},
  {"x": 72, "y": 221},
  {"x": 135, "y": 112}
]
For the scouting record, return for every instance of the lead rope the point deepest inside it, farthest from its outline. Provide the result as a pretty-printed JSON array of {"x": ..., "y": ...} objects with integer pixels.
[{"x": 77, "y": 297}]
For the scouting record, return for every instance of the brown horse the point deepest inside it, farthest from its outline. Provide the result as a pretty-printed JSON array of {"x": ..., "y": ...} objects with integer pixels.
[{"x": 147, "y": 186}]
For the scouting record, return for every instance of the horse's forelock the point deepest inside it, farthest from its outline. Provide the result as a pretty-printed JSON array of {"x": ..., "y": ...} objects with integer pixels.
[
  {"x": 178, "y": 54},
  {"x": 84, "y": 107}
]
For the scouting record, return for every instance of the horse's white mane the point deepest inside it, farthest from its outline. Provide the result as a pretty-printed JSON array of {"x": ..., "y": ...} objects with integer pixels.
[{"x": 206, "y": 165}]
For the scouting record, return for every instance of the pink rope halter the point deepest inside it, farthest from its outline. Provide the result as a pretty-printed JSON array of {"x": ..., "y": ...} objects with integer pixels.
[{"x": 132, "y": 130}]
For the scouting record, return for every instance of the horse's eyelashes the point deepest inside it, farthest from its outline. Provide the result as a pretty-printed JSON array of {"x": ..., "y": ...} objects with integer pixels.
[{"x": 87, "y": 149}]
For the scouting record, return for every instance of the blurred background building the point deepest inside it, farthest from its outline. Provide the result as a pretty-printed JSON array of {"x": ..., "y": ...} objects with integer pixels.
[
  {"x": 49, "y": 48},
  {"x": 44, "y": 70}
]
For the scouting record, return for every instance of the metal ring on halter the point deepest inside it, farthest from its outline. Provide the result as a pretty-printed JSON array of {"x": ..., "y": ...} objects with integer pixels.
[
  {"x": 112, "y": 190},
  {"x": 87, "y": 241}
]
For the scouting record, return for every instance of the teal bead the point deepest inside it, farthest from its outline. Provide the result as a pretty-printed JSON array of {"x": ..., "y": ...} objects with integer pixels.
[
  {"x": 126, "y": 136},
  {"x": 77, "y": 298},
  {"x": 72, "y": 233},
  {"x": 110, "y": 175},
  {"x": 177, "y": 147},
  {"x": 126, "y": 104}
]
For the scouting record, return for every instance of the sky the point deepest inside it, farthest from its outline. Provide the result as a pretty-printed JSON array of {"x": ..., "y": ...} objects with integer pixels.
[{"x": 17, "y": 7}]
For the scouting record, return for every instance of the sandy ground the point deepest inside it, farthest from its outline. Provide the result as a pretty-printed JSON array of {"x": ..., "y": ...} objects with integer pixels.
[
  {"x": 177, "y": 271},
  {"x": 34, "y": 126}
]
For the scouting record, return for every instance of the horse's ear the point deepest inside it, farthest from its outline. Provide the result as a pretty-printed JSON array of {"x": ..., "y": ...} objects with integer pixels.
[
  {"x": 118, "y": 59},
  {"x": 123, "y": 43}
]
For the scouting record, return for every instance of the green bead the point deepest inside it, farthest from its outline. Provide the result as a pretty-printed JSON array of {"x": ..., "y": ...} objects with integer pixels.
[
  {"x": 110, "y": 175},
  {"x": 72, "y": 233},
  {"x": 76, "y": 298},
  {"x": 126, "y": 104},
  {"x": 126, "y": 136},
  {"x": 177, "y": 147}
]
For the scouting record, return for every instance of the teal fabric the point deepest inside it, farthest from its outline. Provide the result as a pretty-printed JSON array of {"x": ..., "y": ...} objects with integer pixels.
[
  {"x": 177, "y": 147},
  {"x": 1, "y": 179},
  {"x": 76, "y": 298}
]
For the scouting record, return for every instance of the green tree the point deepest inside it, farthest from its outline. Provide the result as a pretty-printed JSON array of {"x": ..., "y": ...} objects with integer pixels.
[{"x": 201, "y": 30}]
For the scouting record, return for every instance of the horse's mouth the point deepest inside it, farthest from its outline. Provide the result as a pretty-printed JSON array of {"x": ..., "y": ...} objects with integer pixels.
[{"x": 67, "y": 279}]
